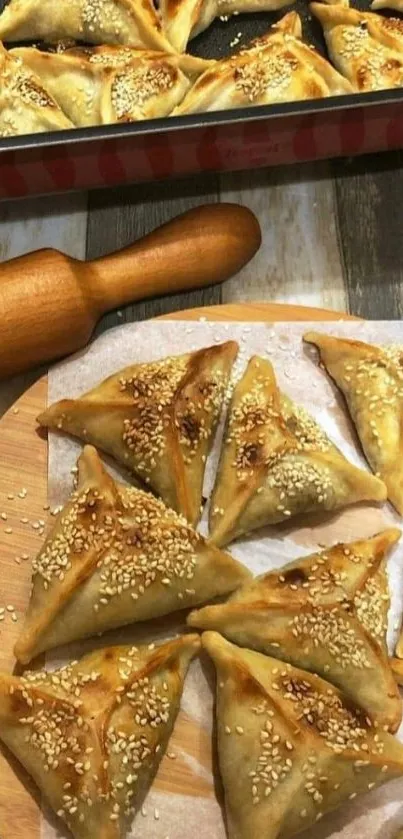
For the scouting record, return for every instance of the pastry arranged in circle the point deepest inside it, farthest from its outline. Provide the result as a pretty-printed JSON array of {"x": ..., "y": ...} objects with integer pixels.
[
  {"x": 308, "y": 698},
  {"x": 326, "y": 613},
  {"x": 92, "y": 734},
  {"x": 157, "y": 419},
  {"x": 291, "y": 746},
  {"x": 276, "y": 462},
  {"x": 116, "y": 555},
  {"x": 278, "y": 67},
  {"x": 371, "y": 380}
]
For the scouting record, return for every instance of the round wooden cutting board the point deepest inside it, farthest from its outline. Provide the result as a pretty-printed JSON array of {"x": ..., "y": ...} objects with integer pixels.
[{"x": 24, "y": 518}]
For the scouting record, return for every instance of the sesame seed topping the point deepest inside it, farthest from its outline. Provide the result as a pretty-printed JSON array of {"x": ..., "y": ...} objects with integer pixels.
[
  {"x": 157, "y": 396},
  {"x": 141, "y": 81},
  {"x": 273, "y": 439}
]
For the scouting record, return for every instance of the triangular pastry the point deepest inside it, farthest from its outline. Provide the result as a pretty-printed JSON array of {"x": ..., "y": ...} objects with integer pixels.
[
  {"x": 326, "y": 613},
  {"x": 371, "y": 380},
  {"x": 277, "y": 462},
  {"x": 92, "y": 734},
  {"x": 136, "y": 24},
  {"x": 116, "y": 555},
  {"x": 184, "y": 19},
  {"x": 366, "y": 48},
  {"x": 157, "y": 419},
  {"x": 278, "y": 67},
  {"x": 26, "y": 107},
  {"x": 104, "y": 85},
  {"x": 291, "y": 747}
]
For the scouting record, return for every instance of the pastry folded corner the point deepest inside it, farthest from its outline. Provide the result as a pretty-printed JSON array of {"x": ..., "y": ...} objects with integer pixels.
[
  {"x": 156, "y": 419},
  {"x": 277, "y": 462},
  {"x": 116, "y": 555},
  {"x": 291, "y": 747},
  {"x": 325, "y": 613},
  {"x": 92, "y": 734},
  {"x": 371, "y": 381}
]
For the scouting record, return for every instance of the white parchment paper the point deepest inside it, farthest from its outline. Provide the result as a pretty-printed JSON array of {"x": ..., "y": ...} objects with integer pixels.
[{"x": 376, "y": 816}]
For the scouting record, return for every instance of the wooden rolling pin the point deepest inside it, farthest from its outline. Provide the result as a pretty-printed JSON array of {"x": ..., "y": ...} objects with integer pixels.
[{"x": 50, "y": 303}]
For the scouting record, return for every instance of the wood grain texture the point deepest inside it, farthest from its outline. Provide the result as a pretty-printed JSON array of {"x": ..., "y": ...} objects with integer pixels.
[
  {"x": 23, "y": 464},
  {"x": 369, "y": 213},
  {"x": 54, "y": 221},
  {"x": 299, "y": 260},
  {"x": 44, "y": 320},
  {"x": 118, "y": 217},
  {"x": 48, "y": 222}
]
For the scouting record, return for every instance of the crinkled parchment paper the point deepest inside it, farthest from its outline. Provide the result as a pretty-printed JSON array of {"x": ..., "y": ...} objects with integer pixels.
[{"x": 182, "y": 816}]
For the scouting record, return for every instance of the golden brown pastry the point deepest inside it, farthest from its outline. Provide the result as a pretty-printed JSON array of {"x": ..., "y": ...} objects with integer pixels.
[
  {"x": 278, "y": 67},
  {"x": 397, "y": 669},
  {"x": 291, "y": 747},
  {"x": 399, "y": 654},
  {"x": 396, "y": 5},
  {"x": 184, "y": 19},
  {"x": 92, "y": 734},
  {"x": 371, "y": 380},
  {"x": 136, "y": 24},
  {"x": 276, "y": 462},
  {"x": 103, "y": 85},
  {"x": 365, "y": 47},
  {"x": 25, "y": 106},
  {"x": 157, "y": 419},
  {"x": 115, "y": 556},
  {"x": 326, "y": 613}
]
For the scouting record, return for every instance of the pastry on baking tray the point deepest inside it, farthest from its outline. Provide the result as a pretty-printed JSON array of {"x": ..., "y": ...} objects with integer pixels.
[
  {"x": 365, "y": 47},
  {"x": 277, "y": 67},
  {"x": 25, "y": 106},
  {"x": 115, "y": 556},
  {"x": 326, "y": 613},
  {"x": 92, "y": 734},
  {"x": 291, "y": 746},
  {"x": 371, "y": 380},
  {"x": 136, "y": 24},
  {"x": 103, "y": 85},
  {"x": 157, "y": 419},
  {"x": 184, "y": 19},
  {"x": 277, "y": 462}
]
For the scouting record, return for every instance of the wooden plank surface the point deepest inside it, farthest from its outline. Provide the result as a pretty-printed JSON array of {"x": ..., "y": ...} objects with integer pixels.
[
  {"x": 331, "y": 236},
  {"x": 54, "y": 221},
  {"x": 369, "y": 217},
  {"x": 23, "y": 492},
  {"x": 299, "y": 261}
]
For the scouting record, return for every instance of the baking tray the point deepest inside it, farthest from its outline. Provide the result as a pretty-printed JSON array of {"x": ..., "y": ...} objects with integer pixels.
[{"x": 241, "y": 138}]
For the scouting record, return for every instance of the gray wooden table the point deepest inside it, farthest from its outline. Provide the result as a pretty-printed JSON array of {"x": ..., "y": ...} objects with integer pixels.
[{"x": 332, "y": 236}]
